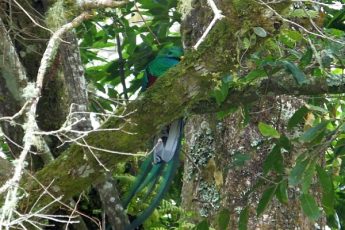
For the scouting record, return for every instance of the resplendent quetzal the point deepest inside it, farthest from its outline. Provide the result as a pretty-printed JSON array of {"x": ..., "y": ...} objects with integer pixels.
[{"x": 163, "y": 162}]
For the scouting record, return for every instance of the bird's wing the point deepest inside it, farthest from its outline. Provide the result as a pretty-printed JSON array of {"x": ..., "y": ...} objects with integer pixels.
[{"x": 160, "y": 65}]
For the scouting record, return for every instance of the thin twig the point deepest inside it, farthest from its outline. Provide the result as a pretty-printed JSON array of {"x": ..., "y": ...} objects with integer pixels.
[
  {"x": 31, "y": 126},
  {"x": 148, "y": 27},
  {"x": 217, "y": 16},
  {"x": 94, "y": 155},
  {"x": 298, "y": 25},
  {"x": 121, "y": 66},
  {"x": 31, "y": 18}
]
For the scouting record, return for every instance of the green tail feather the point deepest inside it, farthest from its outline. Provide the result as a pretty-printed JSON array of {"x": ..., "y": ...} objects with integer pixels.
[
  {"x": 154, "y": 183},
  {"x": 168, "y": 176},
  {"x": 155, "y": 172},
  {"x": 144, "y": 170}
]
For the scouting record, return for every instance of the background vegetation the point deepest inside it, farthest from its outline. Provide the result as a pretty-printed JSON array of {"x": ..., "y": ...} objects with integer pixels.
[{"x": 262, "y": 96}]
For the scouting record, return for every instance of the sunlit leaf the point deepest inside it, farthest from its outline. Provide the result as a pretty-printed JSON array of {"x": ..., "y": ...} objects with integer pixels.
[
  {"x": 316, "y": 108},
  {"x": 268, "y": 131},
  {"x": 301, "y": 13},
  {"x": 261, "y": 32},
  {"x": 313, "y": 132}
]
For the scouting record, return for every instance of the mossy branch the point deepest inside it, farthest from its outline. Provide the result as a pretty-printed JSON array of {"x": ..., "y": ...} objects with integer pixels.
[{"x": 184, "y": 89}]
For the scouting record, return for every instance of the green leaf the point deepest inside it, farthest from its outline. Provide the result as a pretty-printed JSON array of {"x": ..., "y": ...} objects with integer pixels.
[
  {"x": 307, "y": 57},
  {"x": 297, "y": 117},
  {"x": 203, "y": 225},
  {"x": 309, "y": 206},
  {"x": 282, "y": 192},
  {"x": 317, "y": 109},
  {"x": 218, "y": 94},
  {"x": 225, "y": 113},
  {"x": 284, "y": 142},
  {"x": 308, "y": 176},
  {"x": 274, "y": 160},
  {"x": 244, "y": 217},
  {"x": 224, "y": 88},
  {"x": 223, "y": 219},
  {"x": 102, "y": 44},
  {"x": 268, "y": 130},
  {"x": 261, "y": 32},
  {"x": 339, "y": 150},
  {"x": 255, "y": 74},
  {"x": 265, "y": 199},
  {"x": 293, "y": 35},
  {"x": 246, "y": 43},
  {"x": 239, "y": 159},
  {"x": 301, "y": 13},
  {"x": 295, "y": 71},
  {"x": 297, "y": 172},
  {"x": 312, "y": 133},
  {"x": 221, "y": 91},
  {"x": 328, "y": 196}
]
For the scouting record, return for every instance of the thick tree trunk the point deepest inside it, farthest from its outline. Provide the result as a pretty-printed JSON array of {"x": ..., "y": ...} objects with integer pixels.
[
  {"x": 224, "y": 159},
  {"x": 227, "y": 164}
]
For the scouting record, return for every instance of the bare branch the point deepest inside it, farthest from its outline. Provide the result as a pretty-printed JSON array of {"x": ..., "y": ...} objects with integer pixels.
[
  {"x": 92, "y": 4},
  {"x": 31, "y": 126}
]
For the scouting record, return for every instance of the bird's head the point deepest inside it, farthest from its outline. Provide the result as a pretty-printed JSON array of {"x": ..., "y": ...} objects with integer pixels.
[{"x": 171, "y": 52}]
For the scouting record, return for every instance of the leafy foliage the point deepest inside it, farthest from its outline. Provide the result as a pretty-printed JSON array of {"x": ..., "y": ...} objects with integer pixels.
[
  {"x": 143, "y": 29},
  {"x": 321, "y": 119},
  {"x": 314, "y": 133}
]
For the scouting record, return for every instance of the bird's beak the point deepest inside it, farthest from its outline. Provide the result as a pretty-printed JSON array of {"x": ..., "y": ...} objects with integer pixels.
[{"x": 181, "y": 58}]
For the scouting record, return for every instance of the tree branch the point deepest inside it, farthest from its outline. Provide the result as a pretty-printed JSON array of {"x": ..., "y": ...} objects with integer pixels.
[
  {"x": 279, "y": 85},
  {"x": 183, "y": 89}
]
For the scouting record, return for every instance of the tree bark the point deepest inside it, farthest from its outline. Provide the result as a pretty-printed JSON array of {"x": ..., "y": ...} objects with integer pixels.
[
  {"x": 225, "y": 182},
  {"x": 184, "y": 89},
  {"x": 223, "y": 167}
]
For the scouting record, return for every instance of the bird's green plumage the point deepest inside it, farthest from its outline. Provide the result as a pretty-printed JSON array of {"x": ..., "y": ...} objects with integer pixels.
[
  {"x": 155, "y": 171},
  {"x": 165, "y": 59},
  {"x": 144, "y": 170},
  {"x": 149, "y": 174}
]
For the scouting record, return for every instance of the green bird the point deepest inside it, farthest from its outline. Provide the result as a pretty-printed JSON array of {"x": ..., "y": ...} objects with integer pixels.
[
  {"x": 166, "y": 58},
  {"x": 164, "y": 161}
]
